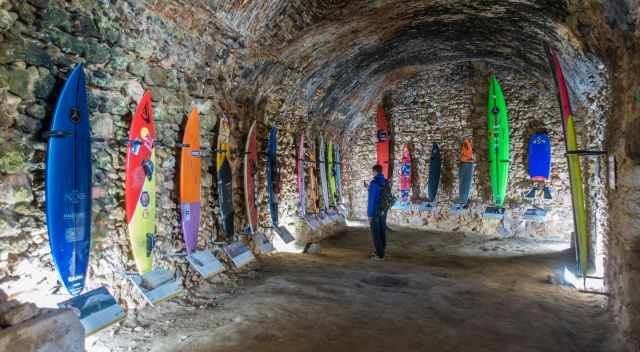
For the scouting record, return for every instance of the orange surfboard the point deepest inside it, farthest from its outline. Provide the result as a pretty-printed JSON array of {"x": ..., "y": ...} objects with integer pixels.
[{"x": 190, "y": 180}]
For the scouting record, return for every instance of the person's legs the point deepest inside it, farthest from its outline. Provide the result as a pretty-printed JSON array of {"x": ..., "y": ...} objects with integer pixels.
[
  {"x": 383, "y": 236},
  {"x": 376, "y": 228},
  {"x": 384, "y": 215}
]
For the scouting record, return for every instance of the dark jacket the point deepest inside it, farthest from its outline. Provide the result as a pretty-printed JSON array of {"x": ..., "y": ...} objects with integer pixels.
[{"x": 375, "y": 192}]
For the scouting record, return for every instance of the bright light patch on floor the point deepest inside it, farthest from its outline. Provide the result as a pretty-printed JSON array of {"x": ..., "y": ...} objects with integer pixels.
[{"x": 592, "y": 284}]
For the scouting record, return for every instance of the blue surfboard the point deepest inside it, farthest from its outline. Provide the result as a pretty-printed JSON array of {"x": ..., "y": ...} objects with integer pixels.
[
  {"x": 273, "y": 176},
  {"x": 68, "y": 184},
  {"x": 539, "y": 155}
]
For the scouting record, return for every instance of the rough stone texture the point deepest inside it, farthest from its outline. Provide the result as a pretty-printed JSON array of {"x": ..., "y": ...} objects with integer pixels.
[
  {"x": 54, "y": 331},
  {"x": 307, "y": 66},
  {"x": 25, "y": 327},
  {"x": 18, "y": 314},
  {"x": 623, "y": 263}
]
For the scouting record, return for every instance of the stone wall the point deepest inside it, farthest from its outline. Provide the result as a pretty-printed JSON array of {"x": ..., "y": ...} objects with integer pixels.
[
  {"x": 448, "y": 102},
  {"x": 623, "y": 262},
  {"x": 186, "y": 58}
]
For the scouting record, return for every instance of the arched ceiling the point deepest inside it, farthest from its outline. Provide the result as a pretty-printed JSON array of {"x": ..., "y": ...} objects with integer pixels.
[{"x": 348, "y": 51}]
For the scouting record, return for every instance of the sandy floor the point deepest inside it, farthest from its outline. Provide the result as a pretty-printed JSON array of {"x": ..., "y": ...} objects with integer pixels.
[{"x": 436, "y": 292}]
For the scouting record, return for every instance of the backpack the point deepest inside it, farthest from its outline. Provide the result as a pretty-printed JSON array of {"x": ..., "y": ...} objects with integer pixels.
[{"x": 387, "y": 199}]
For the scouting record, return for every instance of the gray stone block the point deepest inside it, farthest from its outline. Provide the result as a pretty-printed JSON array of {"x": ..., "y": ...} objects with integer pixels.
[{"x": 53, "y": 331}]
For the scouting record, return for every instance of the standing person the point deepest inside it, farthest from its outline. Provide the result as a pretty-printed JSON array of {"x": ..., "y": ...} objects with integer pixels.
[{"x": 376, "y": 212}]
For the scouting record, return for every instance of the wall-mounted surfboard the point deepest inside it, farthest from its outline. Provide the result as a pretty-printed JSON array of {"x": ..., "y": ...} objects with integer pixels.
[
  {"x": 403, "y": 202},
  {"x": 250, "y": 173},
  {"x": 383, "y": 141},
  {"x": 273, "y": 177},
  {"x": 573, "y": 159},
  {"x": 465, "y": 176},
  {"x": 323, "y": 175},
  {"x": 300, "y": 176},
  {"x": 140, "y": 185},
  {"x": 405, "y": 174},
  {"x": 331, "y": 177},
  {"x": 497, "y": 145},
  {"x": 433, "y": 182},
  {"x": 224, "y": 177},
  {"x": 435, "y": 165},
  {"x": 539, "y": 157},
  {"x": 68, "y": 205},
  {"x": 68, "y": 184},
  {"x": 539, "y": 162},
  {"x": 465, "y": 172},
  {"x": 337, "y": 166},
  {"x": 313, "y": 182},
  {"x": 190, "y": 179},
  {"x": 140, "y": 202}
]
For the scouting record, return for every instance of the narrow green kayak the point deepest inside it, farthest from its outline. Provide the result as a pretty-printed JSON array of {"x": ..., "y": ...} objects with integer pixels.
[{"x": 498, "y": 142}]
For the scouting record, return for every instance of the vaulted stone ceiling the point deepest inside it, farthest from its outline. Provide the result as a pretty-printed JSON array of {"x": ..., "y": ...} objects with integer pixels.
[{"x": 349, "y": 51}]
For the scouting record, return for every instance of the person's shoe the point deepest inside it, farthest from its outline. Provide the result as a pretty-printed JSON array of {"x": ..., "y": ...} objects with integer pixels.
[{"x": 376, "y": 258}]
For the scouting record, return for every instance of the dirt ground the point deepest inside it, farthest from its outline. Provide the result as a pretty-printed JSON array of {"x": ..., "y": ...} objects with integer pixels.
[{"x": 435, "y": 292}]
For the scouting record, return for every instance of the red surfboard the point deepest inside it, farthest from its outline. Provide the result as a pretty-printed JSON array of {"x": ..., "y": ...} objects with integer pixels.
[
  {"x": 250, "y": 169},
  {"x": 382, "y": 145},
  {"x": 140, "y": 185}
]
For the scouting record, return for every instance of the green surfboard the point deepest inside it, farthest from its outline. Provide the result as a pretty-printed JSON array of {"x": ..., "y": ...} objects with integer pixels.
[
  {"x": 331, "y": 175},
  {"x": 498, "y": 142}
]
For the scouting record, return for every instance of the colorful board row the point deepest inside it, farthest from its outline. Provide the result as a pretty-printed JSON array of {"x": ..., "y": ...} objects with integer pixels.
[
  {"x": 498, "y": 150},
  {"x": 326, "y": 166},
  {"x": 69, "y": 184},
  {"x": 498, "y": 155}
]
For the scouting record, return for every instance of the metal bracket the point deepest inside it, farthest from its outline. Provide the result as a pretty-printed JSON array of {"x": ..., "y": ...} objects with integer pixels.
[
  {"x": 55, "y": 134},
  {"x": 587, "y": 152}
]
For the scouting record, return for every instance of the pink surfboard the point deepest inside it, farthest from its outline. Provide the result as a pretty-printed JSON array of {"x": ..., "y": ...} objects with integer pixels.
[
  {"x": 405, "y": 174},
  {"x": 300, "y": 176}
]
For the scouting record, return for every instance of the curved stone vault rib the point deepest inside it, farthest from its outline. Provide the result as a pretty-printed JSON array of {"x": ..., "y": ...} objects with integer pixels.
[{"x": 349, "y": 52}]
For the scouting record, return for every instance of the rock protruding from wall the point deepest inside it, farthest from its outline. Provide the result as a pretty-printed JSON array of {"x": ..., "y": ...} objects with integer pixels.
[{"x": 26, "y": 328}]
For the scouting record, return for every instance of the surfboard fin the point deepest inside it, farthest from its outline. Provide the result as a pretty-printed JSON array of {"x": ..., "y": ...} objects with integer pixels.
[
  {"x": 239, "y": 253},
  {"x": 157, "y": 286},
  {"x": 98, "y": 310},
  {"x": 532, "y": 192},
  {"x": 205, "y": 263},
  {"x": 151, "y": 243}
]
